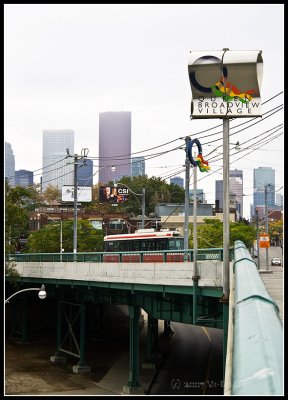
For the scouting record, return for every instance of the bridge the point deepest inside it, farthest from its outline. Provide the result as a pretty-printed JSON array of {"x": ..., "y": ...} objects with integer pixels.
[{"x": 163, "y": 284}]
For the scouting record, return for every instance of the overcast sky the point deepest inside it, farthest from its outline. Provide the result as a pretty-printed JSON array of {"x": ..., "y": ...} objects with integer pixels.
[{"x": 64, "y": 64}]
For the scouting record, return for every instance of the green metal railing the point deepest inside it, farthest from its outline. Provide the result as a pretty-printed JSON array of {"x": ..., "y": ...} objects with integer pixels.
[
  {"x": 258, "y": 332},
  {"x": 132, "y": 256}
]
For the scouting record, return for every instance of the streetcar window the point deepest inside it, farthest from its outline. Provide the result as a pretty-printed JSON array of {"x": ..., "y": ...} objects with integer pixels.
[{"x": 137, "y": 245}]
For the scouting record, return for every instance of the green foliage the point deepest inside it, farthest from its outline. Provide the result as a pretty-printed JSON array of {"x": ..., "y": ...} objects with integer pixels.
[
  {"x": 12, "y": 274},
  {"x": 47, "y": 239},
  {"x": 156, "y": 191},
  {"x": 275, "y": 230},
  {"x": 17, "y": 202},
  {"x": 210, "y": 234}
]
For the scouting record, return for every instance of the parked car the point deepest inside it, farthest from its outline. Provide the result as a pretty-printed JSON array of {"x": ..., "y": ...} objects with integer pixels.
[{"x": 275, "y": 261}]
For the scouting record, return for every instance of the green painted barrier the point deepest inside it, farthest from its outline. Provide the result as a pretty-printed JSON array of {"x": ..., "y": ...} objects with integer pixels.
[{"x": 258, "y": 332}]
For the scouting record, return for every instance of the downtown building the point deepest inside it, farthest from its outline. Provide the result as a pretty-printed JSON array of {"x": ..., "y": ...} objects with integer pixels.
[
  {"x": 57, "y": 168},
  {"x": 235, "y": 192},
  {"x": 85, "y": 172},
  {"x": 138, "y": 166},
  {"x": 114, "y": 145},
  {"x": 24, "y": 178},
  {"x": 9, "y": 164},
  {"x": 263, "y": 190}
]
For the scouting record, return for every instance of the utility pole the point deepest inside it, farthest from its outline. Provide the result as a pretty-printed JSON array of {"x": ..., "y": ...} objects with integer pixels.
[
  {"x": 226, "y": 227},
  {"x": 266, "y": 223},
  {"x": 84, "y": 153},
  {"x": 143, "y": 208},
  {"x": 257, "y": 237}
]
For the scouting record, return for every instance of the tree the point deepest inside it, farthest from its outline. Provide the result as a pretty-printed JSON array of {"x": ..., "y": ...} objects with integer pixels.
[
  {"x": 275, "y": 230},
  {"x": 52, "y": 194},
  {"x": 17, "y": 203},
  {"x": 47, "y": 239},
  {"x": 210, "y": 234},
  {"x": 156, "y": 190}
]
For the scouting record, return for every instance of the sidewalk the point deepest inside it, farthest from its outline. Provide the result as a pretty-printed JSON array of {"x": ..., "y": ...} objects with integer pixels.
[{"x": 273, "y": 281}]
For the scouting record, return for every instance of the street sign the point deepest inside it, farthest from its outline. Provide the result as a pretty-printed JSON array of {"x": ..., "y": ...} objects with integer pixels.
[
  {"x": 264, "y": 240},
  {"x": 225, "y": 83}
]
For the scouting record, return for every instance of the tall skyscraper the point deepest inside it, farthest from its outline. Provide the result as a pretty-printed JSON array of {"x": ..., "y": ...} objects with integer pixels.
[
  {"x": 236, "y": 187},
  {"x": 24, "y": 178},
  {"x": 279, "y": 199},
  {"x": 177, "y": 180},
  {"x": 114, "y": 145},
  {"x": 9, "y": 164},
  {"x": 263, "y": 177},
  {"x": 235, "y": 191},
  {"x": 138, "y": 166},
  {"x": 57, "y": 169},
  {"x": 85, "y": 173}
]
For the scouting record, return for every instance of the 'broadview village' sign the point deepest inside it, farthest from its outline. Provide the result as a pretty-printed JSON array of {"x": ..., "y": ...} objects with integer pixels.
[{"x": 225, "y": 83}]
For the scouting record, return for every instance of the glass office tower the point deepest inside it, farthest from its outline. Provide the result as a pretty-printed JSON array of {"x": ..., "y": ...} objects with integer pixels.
[
  {"x": 57, "y": 169},
  {"x": 138, "y": 166},
  {"x": 263, "y": 177},
  {"x": 114, "y": 145},
  {"x": 9, "y": 164},
  {"x": 24, "y": 178}
]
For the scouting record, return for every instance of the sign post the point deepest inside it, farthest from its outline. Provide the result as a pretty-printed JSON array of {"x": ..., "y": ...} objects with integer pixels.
[{"x": 225, "y": 84}]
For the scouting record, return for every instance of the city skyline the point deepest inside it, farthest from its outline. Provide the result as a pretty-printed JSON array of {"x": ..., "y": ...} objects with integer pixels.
[
  {"x": 262, "y": 176},
  {"x": 128, "y": 58}
]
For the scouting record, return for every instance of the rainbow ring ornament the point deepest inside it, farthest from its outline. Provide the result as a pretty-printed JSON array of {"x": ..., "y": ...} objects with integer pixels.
[{"x": 199, "y": 160}]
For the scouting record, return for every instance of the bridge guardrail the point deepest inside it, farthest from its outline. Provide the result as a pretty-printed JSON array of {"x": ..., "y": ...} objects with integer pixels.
[
  {"x": 258, "y": 332},
  {"x": 133, "y": 256}
]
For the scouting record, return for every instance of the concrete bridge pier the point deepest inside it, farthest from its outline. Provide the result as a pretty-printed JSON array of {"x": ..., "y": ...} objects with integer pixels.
[{"x": 133, "y": 386}]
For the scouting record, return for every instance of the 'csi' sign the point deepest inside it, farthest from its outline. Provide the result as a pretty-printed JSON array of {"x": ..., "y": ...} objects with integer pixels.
[
  {"x": 123, "y": 191},
  {"x": 108, "y": 194}
]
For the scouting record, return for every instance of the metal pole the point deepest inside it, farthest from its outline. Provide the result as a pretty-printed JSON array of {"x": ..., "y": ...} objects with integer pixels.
[
  {"x": 226, "y": 228},
  {"x": 195, "y": 244},
  {"x": 266, "y": 224},
  {"x": 75, "y": 209},
  {"x": 61, "y": 240},
  {"x": 143, "y": 208},
  {"x": 186, "y": 218},
  {"x": 257, "y": 232}
]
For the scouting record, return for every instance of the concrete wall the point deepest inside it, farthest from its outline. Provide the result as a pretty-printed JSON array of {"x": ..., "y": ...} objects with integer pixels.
[{"x": 179, "y": 274}]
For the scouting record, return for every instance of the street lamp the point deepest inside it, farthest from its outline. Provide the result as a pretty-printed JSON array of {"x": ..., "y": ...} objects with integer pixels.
[
  {"x": 136, "y": 194},
  {"x": 42, "y": 293},
  {"x": 61, "y": 231}
]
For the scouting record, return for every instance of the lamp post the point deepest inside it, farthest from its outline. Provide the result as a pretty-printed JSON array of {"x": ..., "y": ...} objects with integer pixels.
[
  {"x": 141, "y": 205},
  {"x": 61, "y": 231},
  {"x": 42, "y": 293}
]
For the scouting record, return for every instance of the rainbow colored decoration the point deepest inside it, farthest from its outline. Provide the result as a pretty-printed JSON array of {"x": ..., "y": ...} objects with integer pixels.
[
  {"x": 230, "y": 92},
  {"x": 199, "y": 160},
  {"x": 202, "y": 164}
]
